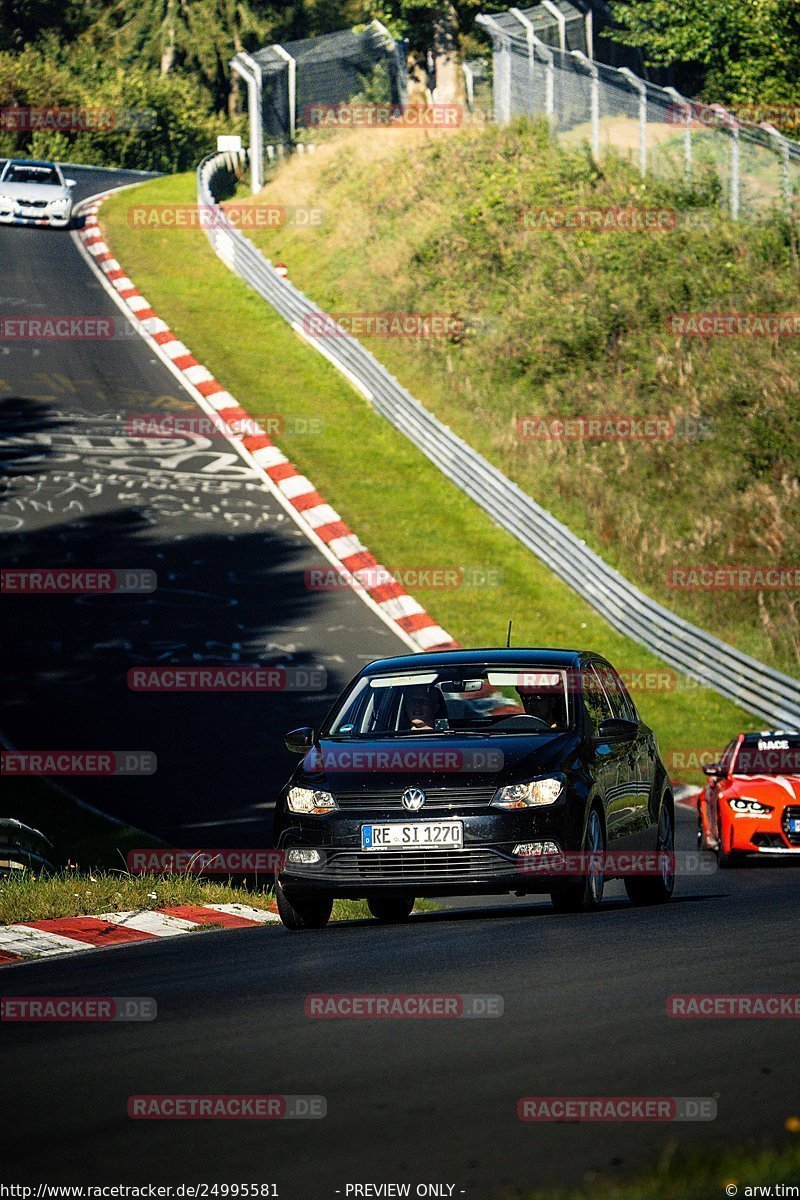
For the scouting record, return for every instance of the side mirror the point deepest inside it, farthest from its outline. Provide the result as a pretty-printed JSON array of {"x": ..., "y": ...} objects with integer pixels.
[
  {"x": 300, "y": 741},
  {"x": 714, "y": 770},
  {"x": 71, "y": 183},
  {"x": 617, "y": 728}
]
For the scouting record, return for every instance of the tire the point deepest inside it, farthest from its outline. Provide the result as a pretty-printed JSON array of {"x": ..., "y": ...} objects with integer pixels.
[
  {"x": 728, "y": 862},
  {"x": 303, "y": 912},
  {"x": 587, "y": 895},
  {"x": 390, "y": 909},
  {"x": 656, "y": 889}
]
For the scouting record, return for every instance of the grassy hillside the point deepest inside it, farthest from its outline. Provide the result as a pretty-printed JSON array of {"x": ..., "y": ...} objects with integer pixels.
[
  {"x": 575, "y": 324},
  {"x": 399, "y": 504}
]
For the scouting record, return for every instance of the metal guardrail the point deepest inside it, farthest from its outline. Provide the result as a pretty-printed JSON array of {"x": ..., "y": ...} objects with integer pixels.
[
  {"x": 22, "y": 848},
  {"x": 759, "y": 689}
]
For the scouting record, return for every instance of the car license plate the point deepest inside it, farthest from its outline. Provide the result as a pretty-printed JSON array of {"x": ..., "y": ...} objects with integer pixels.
[
  {"x": 794, "y": 825},
  {"x": 421, "y": 835}
]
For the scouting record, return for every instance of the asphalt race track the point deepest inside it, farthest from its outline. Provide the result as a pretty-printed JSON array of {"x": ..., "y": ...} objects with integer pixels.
[
  {"x": 422, "y": 1102},
  {"x": 78, "y": 491}
]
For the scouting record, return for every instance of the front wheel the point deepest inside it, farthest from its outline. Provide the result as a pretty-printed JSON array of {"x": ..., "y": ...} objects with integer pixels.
[
  {"x": 727, "y": 861},
  {"x": 390, "y": 909},
  {"x": 587, "y": 895},
  {"x": 303, "y": 912},
  {"x": 657, "y": 889}
]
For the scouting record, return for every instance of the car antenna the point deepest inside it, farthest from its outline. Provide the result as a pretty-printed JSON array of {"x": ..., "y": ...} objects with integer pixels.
[{"x": 508, "y": 636}]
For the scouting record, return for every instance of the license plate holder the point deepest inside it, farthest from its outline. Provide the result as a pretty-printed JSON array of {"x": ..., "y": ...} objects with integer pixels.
[{"x": 413, "y": 835}]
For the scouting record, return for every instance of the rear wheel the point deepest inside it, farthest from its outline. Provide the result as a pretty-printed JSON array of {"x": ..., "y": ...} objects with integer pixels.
[
  {"x": 657, "y": 889},
  {"x": 587, "y": 895},
  {"x": 303, "y": 911},
  {"x": 390, "y": 909}
]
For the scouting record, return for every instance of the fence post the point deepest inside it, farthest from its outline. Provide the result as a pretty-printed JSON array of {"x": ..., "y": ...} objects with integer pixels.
[
  {"x": 501, "y": 87},
  {"x": 783, "y": 150},
  {"x": 687, "y": 133},
  {"x": 733, "y": 125},
  {"x": 595, "y": 101},
  {"x": 562, "y": 23},
  {"x": 529, "y": 34},
  {"x": 292, "y": 86},
  {"x": 469, "y": 84},
  {"x": 250, "y": 72},
  {"x": 639, "y": 85},
  {"x": 550, "y": 100}
]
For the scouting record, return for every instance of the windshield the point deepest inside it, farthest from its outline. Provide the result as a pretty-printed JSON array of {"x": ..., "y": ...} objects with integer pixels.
[
  {"x": 514, "y": 700},
  {"x": 768, "y": 754},
  {"x": 24, "y": 173}
]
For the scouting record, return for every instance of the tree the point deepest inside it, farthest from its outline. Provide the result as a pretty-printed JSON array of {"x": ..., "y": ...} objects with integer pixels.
[
  {"x": 749, "y": 50},
  {"x": 197, "y": 36}
]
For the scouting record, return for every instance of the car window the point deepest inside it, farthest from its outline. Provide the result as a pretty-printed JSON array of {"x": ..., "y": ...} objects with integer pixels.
[
  {"x": 21, "y": 173},
  {"x": 594, "y": 698},
  {"x": 622, "y": 706},
  {"x": 727, "y": 755},
  {"x": 477, "y": 698}
]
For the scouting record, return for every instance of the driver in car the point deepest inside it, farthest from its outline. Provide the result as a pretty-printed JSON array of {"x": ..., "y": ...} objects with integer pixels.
[
  {"x": 546, "y": 706},
  {"x": 421, "y": 706}
]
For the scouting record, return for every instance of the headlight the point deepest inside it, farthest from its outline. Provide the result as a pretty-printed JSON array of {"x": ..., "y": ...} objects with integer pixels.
[
  {"x": 536, "y": 794},
  {"x": 753, "y": 808},
  {"x": 304, "y": 800},
  {"x": 6, "y": 202},
  {"x": 62, "y": 202}
]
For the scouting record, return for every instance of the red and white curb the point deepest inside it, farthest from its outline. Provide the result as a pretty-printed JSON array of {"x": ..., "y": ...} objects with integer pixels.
[
  {"x": 66, "y": 935},
  {"x": 686, "y": 795},
  {"x": 297, "y": 494}
]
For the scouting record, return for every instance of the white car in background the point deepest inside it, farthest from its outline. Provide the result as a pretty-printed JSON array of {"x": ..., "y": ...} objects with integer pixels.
[{"x": 35, "y": 193}]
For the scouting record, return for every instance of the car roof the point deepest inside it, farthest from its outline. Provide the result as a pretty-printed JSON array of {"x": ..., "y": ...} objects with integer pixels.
[
  {"x": 30, "y": 162},
  {"x": 527, "y": 656},
  {"x": 769, "y": 734}
]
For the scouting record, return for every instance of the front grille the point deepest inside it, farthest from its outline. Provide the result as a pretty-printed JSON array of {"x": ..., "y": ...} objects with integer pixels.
[
  {"x": 32, "y": 203},
  {"x": 411, "y": 865},
  {"x": 441, "y": 799},
  {"x": 791, "y": 814}
]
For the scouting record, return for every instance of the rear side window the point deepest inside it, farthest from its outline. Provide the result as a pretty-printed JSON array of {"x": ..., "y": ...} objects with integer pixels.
[
  {"x": 594, "y": 698},
  {"x": 621, "y": 704},
  {"x": 727, "y": 755}
]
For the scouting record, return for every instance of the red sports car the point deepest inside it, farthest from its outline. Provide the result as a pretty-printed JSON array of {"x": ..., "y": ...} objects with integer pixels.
[{"x": 751, "y": 804}]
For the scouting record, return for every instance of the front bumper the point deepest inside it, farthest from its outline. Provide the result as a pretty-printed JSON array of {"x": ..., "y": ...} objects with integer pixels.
[
  {"x": 485, "y": 864},
  {"x": 41, "y": 218}
]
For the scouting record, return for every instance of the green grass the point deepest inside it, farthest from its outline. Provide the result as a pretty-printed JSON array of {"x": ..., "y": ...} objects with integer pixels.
[
  {"x": 695, "y": 1177},
  {"x": 70, "y": 893},
  {"x": 398, "y": 503},
  {"x": 576, "y": 324}
]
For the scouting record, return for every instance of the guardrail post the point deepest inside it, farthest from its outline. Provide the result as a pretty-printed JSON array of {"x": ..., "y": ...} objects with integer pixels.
[
  {"x": 639, "y": 85},
  {"x": 595, "y": 100}
]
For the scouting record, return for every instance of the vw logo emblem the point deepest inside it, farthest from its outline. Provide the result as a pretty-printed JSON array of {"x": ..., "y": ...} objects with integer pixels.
[{"x": 413, "y": 799}]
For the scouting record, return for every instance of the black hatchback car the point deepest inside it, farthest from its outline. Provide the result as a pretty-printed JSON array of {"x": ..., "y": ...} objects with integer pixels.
[{"x": 454, "y": 773}]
